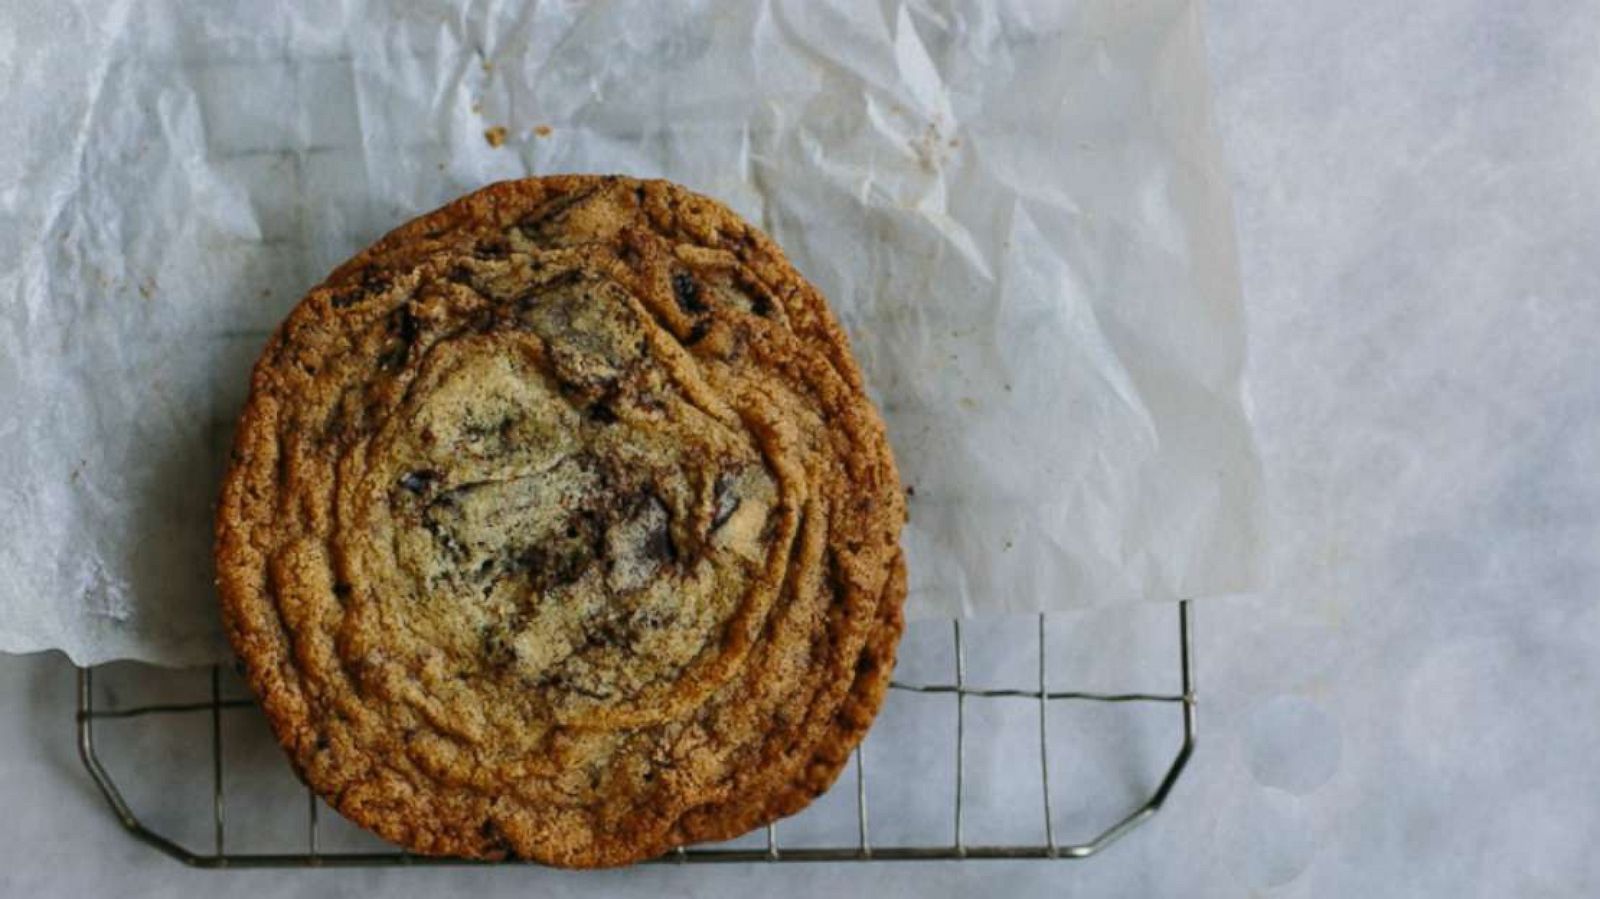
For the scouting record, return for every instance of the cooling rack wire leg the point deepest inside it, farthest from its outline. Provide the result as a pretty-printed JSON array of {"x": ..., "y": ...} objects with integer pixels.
[
  {"x": 961, "y": 736},
  {"x": 1044, "y": 746},
  {"x": 217, "y": 801}
]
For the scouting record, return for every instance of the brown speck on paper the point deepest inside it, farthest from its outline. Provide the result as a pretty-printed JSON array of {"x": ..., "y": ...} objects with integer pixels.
[
  {"x": 542, "y": 130},
  {"x": 496, "y": 136},
  {"x": 933, "y": 148}
]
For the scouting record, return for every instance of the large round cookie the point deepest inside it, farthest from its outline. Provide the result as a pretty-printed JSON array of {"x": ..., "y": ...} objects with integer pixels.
[{"x": 558, "y": 525}]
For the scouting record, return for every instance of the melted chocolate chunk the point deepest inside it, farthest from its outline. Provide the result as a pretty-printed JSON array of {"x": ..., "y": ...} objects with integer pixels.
[
  {"x": 726, "y": 501},
  {"x": 659, "y": 545},
  {"x": 554, "y": 565},
  {"x": 404, "y": 328},
  {"x": 404, "y": 325},
  {"x": 481, "y": 321},
  {"x": 419, "y": 481},
  {"x": 542, "y": 222},
  {"x": 371, "y": 284},
  {"x": 497, "y": 843},
  {"x": 687, "y": 292},
  {"x": 438, "y": 531},
  {"x": 492, "y": 248}
]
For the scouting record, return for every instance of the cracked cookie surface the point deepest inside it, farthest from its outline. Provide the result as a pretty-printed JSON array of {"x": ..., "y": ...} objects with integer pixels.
[{"x": 558, "y": 525}]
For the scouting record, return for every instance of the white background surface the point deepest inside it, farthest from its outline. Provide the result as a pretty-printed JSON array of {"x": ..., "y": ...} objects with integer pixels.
[{"x": 1417, "y": 717}]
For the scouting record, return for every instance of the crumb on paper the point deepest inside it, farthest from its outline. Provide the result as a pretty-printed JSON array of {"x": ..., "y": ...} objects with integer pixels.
[
  {"x": 542, "y": 130},
  {"x": 496, "y": 136},
  {"x": 933, "y": 148},
  {"x": 488, "y": 66},
  {"x": 911, "y": 490}
]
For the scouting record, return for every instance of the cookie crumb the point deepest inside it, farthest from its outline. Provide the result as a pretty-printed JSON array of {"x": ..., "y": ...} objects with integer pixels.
[
  {"x": 542, "y": 130},
  {"x": 496, "y": 136}
]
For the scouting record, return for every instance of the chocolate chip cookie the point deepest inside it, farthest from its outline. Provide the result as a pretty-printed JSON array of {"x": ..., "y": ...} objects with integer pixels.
[{"x": 558, "y": 526}]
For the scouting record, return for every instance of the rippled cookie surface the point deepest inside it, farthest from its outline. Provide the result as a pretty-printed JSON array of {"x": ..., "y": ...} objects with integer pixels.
[{"x": 558, "y": 525}]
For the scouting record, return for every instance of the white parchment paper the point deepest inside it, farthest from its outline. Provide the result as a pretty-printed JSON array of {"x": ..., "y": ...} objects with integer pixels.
[{"x": 1016, "y": 208}]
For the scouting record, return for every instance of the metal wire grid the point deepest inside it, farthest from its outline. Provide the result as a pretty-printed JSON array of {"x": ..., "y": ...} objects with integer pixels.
[{"x": 861, "y": 849}]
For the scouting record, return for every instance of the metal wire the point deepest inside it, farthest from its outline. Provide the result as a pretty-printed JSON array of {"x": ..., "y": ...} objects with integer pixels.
[
  {"x": 961, "y": 735},
  {"x": 311, "y": 824},
  {"x": 862, "y": 850},
  {"x": 861, "y": 803},
  {"x": 218, "y": 799},
  {"x": 1044, "y": 746}
]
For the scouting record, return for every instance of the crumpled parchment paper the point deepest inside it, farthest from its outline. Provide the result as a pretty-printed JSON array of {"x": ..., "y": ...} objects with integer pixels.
[{"x": 1016, "y": 208}]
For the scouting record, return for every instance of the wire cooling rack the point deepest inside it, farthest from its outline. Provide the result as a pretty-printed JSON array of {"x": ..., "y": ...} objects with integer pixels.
[{"x": 848, "y": 844}]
